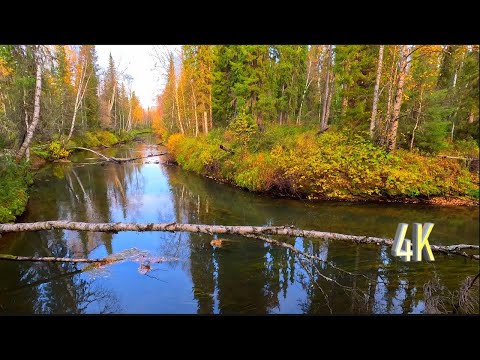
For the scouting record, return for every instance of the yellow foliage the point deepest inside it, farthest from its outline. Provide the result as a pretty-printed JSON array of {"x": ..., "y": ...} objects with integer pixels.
[
  {"x": 173, "y": 143},
  {"x": 4, "y": 69},
  {"x": 333, "y": 165}
]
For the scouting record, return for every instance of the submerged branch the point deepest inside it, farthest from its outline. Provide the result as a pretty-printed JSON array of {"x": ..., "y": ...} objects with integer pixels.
[{"x": 221, "y": 229}]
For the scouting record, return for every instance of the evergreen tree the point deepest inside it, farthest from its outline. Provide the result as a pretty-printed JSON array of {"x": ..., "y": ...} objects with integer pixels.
[{"x": 355, "y": 72}]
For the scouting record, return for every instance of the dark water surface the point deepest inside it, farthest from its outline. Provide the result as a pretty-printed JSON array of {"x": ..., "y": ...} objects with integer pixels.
[{"x": 243, "y": 277}]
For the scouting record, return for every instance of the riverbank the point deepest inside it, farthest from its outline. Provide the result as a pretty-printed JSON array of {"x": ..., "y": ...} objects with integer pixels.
[
  {"x": 297, "y": 162},
  {"x": 16, "y": 178}
]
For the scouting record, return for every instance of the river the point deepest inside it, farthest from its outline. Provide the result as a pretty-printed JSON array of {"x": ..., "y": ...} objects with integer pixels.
[{"x": 244, "y": 276}]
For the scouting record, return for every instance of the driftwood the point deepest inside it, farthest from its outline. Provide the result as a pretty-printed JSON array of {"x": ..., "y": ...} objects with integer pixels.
[
  {"x": 221, "y": 229},
  {"x": 227, "y": 149},
  {"x": 115, "y": 159}
]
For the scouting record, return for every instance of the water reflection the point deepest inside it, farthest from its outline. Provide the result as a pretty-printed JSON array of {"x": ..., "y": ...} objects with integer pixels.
[{"x": 244, "y": 276}]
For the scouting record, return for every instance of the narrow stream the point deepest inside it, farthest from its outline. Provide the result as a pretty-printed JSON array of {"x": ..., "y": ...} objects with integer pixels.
[{"x": 242, "y": 277}]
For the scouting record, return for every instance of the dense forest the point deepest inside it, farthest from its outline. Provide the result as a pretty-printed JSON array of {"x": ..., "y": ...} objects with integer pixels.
[
  {"x": 57, "y": 92},
  {"x": 414, "y": 97},
  {"x": 325, "y": 121}
]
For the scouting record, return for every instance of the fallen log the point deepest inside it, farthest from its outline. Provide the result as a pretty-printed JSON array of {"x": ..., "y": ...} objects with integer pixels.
[
  {"x": 457, "y": 157},
  {"x": 115, "y": 159},
  {"x": 92, "y": 151},
  {"x": 8, "y": 257},
  {"x": 221, "y": 229}
]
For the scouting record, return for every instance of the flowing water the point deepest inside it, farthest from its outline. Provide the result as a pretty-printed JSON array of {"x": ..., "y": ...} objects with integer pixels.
[{"x": 244, "y": 276}]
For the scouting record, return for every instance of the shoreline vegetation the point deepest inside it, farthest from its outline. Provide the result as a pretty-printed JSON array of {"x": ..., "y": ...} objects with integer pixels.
[
  {"x": 298, "y": 162},
  {"x": 18, "y": 177}
]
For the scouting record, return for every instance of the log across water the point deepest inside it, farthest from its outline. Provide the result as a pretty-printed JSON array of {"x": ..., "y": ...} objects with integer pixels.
[{"x": 221, "y": 229}]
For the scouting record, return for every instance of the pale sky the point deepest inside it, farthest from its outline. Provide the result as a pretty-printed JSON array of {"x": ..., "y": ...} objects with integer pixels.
[{"x": 137, "y": 62}]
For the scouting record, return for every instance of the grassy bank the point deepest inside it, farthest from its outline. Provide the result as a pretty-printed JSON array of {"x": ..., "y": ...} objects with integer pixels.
[
  {"x": 295, "y": 161},
  {"x": 56, "y": 150},
  {"x": 14, "y": 182},
  {"x": 15, "y": 179}
]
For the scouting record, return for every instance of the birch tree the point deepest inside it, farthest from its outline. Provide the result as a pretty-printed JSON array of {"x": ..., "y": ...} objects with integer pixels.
[
  {"x": 36, "y": 112},
  {"x": 402, "y": 71},
  {"x": 376, "y": 91}
]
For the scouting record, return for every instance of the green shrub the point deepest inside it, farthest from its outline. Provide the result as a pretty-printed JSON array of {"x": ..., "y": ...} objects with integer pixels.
[
  {"x": 57, "y": 151},
  {"x": 14, "y": 181},
  {"x": 244, "y": 127},
  {"x": 106, "y": 138},
  {"x": 334, "y": 164},
  {"x": 90, "y": 140}
]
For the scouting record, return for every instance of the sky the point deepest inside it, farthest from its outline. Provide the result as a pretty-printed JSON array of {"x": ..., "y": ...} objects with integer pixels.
[{"x": 138, "y": 63}]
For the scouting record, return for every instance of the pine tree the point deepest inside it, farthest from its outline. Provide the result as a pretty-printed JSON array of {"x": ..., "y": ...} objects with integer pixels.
[{"x": 355, "y": 73}]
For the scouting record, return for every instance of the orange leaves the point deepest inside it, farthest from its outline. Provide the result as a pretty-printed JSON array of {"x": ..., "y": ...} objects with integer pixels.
[
  {"x": 4, "y": 69},
  {"x": 174, "y": 142}
]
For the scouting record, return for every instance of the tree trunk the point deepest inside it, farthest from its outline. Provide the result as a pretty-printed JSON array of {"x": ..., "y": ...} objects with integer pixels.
[
  {"x": 178, "y": 111},
  {"x": 375, "y": 91},
  {"x": 205, "y": 122},
  {"x": 471, "y": 117},
  {"x": 219, "y": 229},
  {"x": 329, "y": 100},
  {"x": 417, "y": 120},
  {"x": 308, "y": 81},
  {"x": 129, "y": 123},
  {"x": 79, "y": 99},
  {"x": 392, "y": 133},
  {"x": 195, "y": 108},
  {"x": 210, "y": 98},
  {"x": 110, "y": 104},
  {"x": 323, "y": 123},
  {"x": 27, "y": 152},
  {"x": 210, "y": 105},
  {"x": 36, "y": 113},
  {"x": 319, "y": 87},
  {"x": 344, "y": 103},
  {"x": 391, "y": 87}
]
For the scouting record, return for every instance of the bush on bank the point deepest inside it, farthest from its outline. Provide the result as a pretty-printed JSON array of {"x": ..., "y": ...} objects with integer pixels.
[{"x": 297, "y": 161}]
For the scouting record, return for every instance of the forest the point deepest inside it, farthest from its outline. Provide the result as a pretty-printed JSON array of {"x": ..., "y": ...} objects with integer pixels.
[
  {"x": 368, "y": 122},
  {"x": 52, "y": 99},
  {"x": 264, "y": 179},
  {"x": 323, "y": 121}
]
